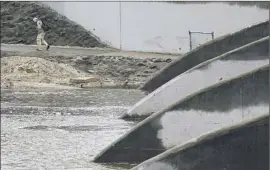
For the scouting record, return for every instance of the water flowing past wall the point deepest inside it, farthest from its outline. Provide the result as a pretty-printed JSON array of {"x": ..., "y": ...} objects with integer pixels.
[
  {"x": 223, "y": 104},
  {"x": 205, "y": 52},
  {"x": 241, "y": 146},
  {"x": 217, "y": 70}
]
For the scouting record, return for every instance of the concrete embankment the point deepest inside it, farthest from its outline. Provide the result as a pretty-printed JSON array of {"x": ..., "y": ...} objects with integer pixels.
[
  {"x": 241, "y": 146},
  {"x": 223, "y": 104},
  {"x": 208, "y": 73},
  {"x": 205, "y": 52}
]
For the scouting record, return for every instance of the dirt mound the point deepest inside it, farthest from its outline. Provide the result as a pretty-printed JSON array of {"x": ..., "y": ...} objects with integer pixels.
[
  {"x": 17, "y": 26},
  {"x": 112, "y": 71},
  {"x": 38, "y": 70}
]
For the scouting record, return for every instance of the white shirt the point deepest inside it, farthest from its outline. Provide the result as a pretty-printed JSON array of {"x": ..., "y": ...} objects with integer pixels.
[{"x": 39, "y": 26}]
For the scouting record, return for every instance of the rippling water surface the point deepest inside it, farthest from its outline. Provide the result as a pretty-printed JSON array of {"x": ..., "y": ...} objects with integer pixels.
[{"x": 61, "y": 129}]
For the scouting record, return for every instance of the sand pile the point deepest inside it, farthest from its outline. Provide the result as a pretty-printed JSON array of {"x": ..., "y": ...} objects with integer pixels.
[
  {"x": 17, "y": 26},
  {"x": 36, "y": 70},
  {"x": 112, "y": 71}
]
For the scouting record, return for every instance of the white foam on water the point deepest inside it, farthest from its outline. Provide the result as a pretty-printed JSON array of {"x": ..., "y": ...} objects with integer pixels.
[
  {"x": 6, "y": 106},
  {"x": 109, "y": 111},
  {"x": 190, "y": 82},
  {"x": 181, "y": 125},
  {"x": 157, "y": 166}
]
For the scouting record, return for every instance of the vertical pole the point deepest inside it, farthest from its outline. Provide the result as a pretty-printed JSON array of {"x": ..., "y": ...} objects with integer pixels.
[
  {"x": 212, "y": 35},
  {"x": 269, "y": 54},
  {"x": 190, "y": 43},
  {"x": 120, "y": 29},
  {"x": 242, "y": 100}
]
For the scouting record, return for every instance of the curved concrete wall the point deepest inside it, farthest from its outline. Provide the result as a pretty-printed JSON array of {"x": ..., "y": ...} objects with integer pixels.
[
  {"x": 221, "y": 105},
  {"x": 242, "y": 146},
  {"x": 219, "y": 69},
  {"x": 206, "y": 52}
]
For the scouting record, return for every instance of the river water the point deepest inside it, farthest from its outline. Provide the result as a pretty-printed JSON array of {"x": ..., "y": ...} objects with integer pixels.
[{"x": 61, "y": 129}]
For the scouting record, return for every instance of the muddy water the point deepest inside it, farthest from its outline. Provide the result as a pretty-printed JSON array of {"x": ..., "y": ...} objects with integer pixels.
[{"x": 61, "y": 129}]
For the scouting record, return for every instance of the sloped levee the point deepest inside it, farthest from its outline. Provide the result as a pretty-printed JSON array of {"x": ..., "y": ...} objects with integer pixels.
[
  {"x": 220, "y": 105},
  {"x": 206, "y": 52},
  {"x": 17, "y": 26},
  {"x": 241, "y": 146},
  {"x": 218, "y": 69}
]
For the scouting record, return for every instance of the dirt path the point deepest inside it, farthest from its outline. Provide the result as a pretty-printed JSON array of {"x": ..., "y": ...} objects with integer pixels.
[
  {"x": 113, "y": 67},
  {"x": 30, "y": 50}
]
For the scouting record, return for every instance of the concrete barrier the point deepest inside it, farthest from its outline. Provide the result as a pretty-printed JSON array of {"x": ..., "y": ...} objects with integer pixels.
[
  {"x": 241, "y": 146},
  {"x": 206, "y": 52},
  {"x": 220, "y": 105},
  {"x": 218, "y": 69},
  {"x": 84, "y": 79}
]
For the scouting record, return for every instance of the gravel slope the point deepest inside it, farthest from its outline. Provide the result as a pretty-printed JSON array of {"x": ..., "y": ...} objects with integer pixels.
[{"x": 17, "y": 26}]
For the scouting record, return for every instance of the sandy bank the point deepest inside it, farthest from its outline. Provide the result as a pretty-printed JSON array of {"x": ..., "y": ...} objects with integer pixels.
[
  {"x": 57, "y": 71},
  {"x": 19, "y": 71}
]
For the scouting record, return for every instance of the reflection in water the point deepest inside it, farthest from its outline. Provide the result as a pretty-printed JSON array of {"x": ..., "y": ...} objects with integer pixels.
[
  {"x": 61, "y": 129},
  {"x": 158, "y": 166}
]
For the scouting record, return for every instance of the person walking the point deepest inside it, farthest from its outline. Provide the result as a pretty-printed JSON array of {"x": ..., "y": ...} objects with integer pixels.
[{"x": 41, "y": 28}]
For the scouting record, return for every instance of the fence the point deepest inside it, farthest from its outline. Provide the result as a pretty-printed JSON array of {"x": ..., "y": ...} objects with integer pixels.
[{"x": 202, "y": 37}]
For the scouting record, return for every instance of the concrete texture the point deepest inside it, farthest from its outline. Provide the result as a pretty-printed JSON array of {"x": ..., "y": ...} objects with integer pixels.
[
  {"x": 219, "y": 69},
  {"x": 206, "y": 52},
  {"x": 241, "y": 146},
  {"x": 221, "y": 105}
]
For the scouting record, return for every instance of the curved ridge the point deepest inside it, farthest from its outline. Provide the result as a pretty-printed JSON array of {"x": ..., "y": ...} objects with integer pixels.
[
  {"x": 205, "y": 52},
  {"x": 214, "y": 70},
  {"x": 256, "y": 127},
  {"x": 147, "y": 138}
]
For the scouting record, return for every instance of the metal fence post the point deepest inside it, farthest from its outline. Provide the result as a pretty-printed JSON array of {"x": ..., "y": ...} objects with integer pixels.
[
  {"x": 190, "y": 43},
  {"x": 120, "y": 20},
  {"x": 196, "y": 32},
  {"x": 212, "y": 35}
]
